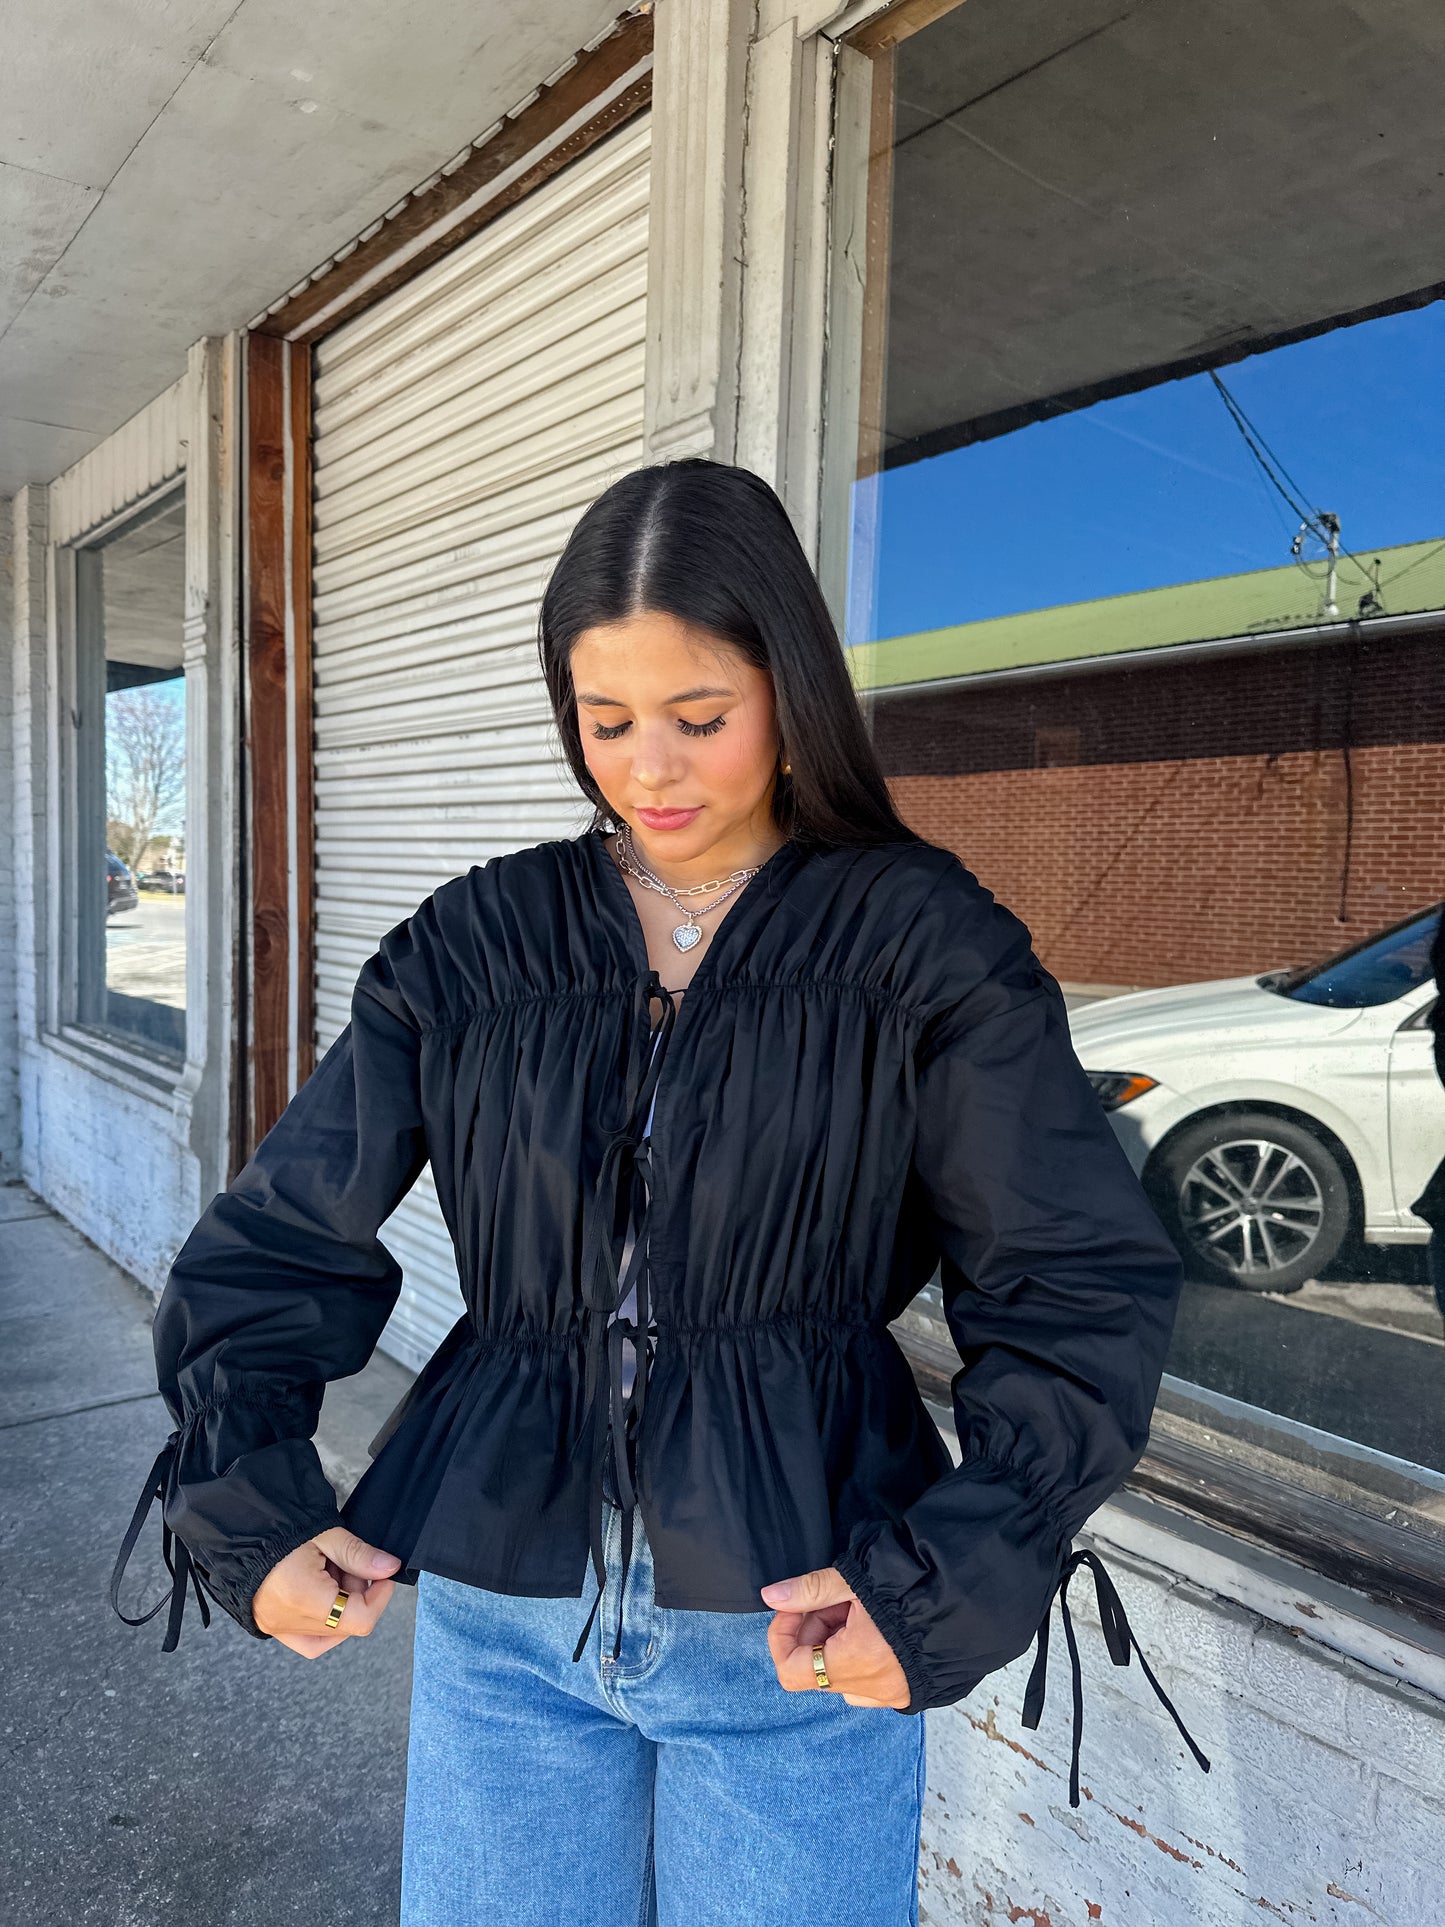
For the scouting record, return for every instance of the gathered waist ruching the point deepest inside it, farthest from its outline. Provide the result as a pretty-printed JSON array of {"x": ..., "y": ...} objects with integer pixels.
[{"x": 760, "y": 1443}]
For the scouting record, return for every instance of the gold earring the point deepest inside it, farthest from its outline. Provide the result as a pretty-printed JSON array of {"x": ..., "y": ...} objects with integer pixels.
[{"x": 787, "y": 769}]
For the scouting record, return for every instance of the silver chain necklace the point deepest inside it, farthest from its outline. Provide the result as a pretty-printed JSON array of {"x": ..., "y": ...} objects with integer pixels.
[{"x": 689, "y": 932}]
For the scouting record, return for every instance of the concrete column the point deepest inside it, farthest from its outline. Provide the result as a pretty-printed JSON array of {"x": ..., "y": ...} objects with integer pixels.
[
  {"x": 211, "y": 645},
  {"x": 30, "y": 697},
  {"x": 695, "y": 227},
  {"x": 737, "y": 267}
]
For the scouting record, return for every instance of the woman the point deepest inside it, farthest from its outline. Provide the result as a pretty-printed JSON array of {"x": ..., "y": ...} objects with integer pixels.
[{"x": 709, "y": 1093}]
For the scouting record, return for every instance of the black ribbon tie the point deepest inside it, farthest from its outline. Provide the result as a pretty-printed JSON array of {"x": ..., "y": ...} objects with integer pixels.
[
  {"x": 1120, "y": 1640},
  {"x": 173, "y": 1551},
  {"x": 614, "y": 1415}
]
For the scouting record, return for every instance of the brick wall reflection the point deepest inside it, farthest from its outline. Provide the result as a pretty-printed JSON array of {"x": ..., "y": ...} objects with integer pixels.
[{"x": 1194, "y": 820}]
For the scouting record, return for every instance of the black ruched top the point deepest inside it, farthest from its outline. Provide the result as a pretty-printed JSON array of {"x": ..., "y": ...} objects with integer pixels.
[{"x": 870, "y": 1077}]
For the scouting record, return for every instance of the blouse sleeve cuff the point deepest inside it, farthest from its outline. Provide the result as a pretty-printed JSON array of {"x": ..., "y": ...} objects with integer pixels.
[
  {"x": 239, "y": 1490},
  {"x": 960, "y": 1584},
  {"x": 233, "y": 1583},
  {"x": 883, "y": 1610},
  {"x": 239, "y": 1513}
]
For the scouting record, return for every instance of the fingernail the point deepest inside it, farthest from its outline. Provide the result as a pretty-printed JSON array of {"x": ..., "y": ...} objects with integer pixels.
[
  {"x": 381, "y": 1562},
  {"x": 776, "y": 1594}
]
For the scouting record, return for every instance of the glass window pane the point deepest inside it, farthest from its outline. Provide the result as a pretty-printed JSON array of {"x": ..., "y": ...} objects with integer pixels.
[
  {"x": 138, "y": 585},
  {"x": 1146, "y": 575}
]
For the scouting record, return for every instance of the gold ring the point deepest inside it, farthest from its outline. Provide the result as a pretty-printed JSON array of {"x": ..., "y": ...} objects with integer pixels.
[
  {"x": 334, "y": 1616},
  {"x": 820, "y": 1666}
]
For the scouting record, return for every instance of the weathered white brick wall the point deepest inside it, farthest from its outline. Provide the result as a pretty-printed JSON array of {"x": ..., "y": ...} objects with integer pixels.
[
  {"x": 1325, "y": 1803},
  {"x": 109, "y": 1160},
  {"x": 112, "y": 1149},
  {"x": 9, "y": 1039}
]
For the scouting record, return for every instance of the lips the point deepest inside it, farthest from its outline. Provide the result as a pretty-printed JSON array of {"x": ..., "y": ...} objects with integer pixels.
[{"x": 667, "y": 819}]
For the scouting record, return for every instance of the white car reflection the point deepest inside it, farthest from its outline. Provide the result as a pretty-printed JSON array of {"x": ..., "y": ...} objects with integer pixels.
[{"x": 1273, "y": 1116}]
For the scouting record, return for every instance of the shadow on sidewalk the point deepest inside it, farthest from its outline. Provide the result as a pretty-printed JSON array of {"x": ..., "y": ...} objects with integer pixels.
[{"x": 230, "y": 1783}]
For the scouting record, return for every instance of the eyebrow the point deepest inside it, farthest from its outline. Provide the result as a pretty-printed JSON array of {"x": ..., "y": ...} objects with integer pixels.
[{"x": 594, "y": 701}]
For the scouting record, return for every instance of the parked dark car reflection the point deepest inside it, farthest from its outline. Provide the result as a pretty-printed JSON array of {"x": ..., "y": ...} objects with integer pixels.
[{"x": 120, "y": 890}]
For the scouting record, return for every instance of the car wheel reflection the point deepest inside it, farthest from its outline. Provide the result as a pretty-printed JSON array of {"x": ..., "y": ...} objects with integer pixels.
[{"x": 1254, "y": 1200}]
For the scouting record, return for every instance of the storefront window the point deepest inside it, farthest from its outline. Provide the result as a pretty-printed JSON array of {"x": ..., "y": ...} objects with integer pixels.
[
  {"x": 1144, "y": 581},
  {"x": 130, "y": 605}
]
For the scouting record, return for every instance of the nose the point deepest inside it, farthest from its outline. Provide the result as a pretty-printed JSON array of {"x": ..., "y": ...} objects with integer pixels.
[{"x": 657, "y": 758}]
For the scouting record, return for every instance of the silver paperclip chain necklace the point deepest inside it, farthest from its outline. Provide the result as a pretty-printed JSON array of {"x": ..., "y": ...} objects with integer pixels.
[{"x": 689, "y": 931}]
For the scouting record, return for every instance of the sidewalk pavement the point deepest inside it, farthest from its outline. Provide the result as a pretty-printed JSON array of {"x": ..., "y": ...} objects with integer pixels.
[{"x": 229, "y": 1783}]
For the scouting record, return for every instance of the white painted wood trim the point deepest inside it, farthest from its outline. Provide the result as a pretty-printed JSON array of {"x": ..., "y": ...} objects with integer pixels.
[
  {"x": 30, "y": 666},
  {"x": 738, "y": 288},
  {"x": 212, "y": 667},
  {"x": 695, "y": 228}
]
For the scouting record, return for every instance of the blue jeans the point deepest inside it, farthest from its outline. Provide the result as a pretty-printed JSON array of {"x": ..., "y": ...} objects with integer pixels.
[{"x": 677, "y": 1786}]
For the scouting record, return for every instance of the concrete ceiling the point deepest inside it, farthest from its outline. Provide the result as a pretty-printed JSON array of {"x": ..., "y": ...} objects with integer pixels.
[
  {"x": 143, "y": 591},
  {"x": 170, "y": 167},
  {"x": 1088, "y": 190}
]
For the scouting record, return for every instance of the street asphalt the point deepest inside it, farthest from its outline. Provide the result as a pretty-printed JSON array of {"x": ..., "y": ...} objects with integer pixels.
[{"x": 229, "y": 1783}]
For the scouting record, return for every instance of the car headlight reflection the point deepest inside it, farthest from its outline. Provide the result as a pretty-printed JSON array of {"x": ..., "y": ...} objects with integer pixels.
[{"x": 1116, "y": 1088}]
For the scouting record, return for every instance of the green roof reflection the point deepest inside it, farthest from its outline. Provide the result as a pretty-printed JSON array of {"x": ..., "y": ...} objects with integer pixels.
[{"x": 1261, "y": 603}]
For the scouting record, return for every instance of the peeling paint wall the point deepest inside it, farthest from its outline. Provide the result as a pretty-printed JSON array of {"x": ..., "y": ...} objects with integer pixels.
[
  {"x": 1325, "y": 1802},
  {"x": 110, "y": 1159}
]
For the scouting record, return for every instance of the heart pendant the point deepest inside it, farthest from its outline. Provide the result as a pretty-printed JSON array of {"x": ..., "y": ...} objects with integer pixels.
[{"x": 686, "y": 935}]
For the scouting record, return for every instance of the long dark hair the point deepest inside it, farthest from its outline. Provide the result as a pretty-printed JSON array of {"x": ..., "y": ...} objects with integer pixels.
[{"x": 712, "y": 545}]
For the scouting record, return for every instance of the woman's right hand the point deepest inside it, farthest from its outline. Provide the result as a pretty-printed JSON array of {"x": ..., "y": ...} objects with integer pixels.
[{"x": 293, "y": 1600}]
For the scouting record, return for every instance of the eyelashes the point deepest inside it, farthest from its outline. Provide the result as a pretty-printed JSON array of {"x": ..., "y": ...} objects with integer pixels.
[{"x": 609, "y": 732}]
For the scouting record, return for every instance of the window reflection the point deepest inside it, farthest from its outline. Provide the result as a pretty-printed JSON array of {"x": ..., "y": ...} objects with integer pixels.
[
  {"x": 135, "y": 586},
  {"x": 1145, "y": 583}
]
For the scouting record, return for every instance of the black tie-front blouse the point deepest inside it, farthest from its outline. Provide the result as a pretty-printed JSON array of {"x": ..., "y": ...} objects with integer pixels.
[{"x": 870, "y": 1076}]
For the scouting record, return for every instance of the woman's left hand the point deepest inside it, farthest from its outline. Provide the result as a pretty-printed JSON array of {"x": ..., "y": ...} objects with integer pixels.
[{"x": 818, "y": 1609}]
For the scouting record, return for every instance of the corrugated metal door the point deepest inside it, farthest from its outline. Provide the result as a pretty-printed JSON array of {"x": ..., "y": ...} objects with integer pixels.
[{"x": 461, "y": 427}]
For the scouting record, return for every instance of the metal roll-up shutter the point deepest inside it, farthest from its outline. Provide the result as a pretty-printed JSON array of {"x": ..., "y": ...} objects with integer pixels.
[{"x": 461, "y": 427}]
